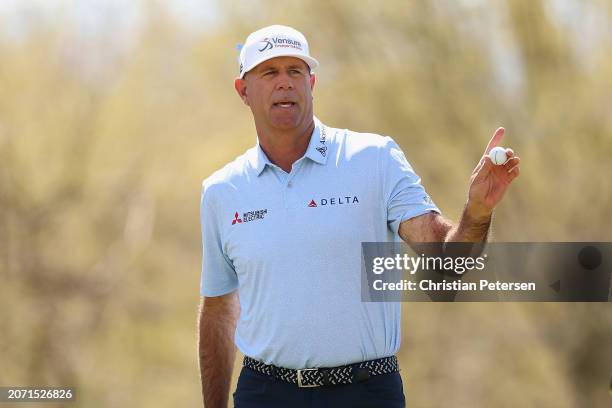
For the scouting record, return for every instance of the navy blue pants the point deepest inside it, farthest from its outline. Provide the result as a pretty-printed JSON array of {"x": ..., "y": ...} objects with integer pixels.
[{"x": 256, "y": 390}]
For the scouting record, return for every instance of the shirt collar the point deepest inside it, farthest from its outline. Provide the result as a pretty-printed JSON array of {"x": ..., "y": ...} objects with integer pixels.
[
  {"x": 319, "y": 141},
  {"x": 258, "y": 159},
  {"x": 316, "y": 150}
]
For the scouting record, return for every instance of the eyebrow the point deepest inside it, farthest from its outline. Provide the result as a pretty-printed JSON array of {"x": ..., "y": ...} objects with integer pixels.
[{"x": 272, "y": 67}]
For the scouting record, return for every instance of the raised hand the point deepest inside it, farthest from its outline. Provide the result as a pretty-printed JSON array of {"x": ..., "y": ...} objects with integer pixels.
[{"x": 489, "y": 182}]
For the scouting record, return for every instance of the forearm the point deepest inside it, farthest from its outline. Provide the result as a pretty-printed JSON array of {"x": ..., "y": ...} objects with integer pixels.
[
  {"x": 216, "y": 353},
  {"x": 473, "y": 227}
]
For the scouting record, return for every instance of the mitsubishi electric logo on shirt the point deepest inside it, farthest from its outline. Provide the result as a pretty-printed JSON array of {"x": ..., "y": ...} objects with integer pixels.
[
  {"x": 269, "y": 43},
  {"x": 334, "y": 201},
  {"x": 236, "y": 220},
  {"x": 249, "y": 216}
]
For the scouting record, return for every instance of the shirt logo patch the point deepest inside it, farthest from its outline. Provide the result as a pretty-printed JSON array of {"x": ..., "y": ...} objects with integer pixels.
[
  {"x": 249, "y": 216},
  {"x": 322, "y": 149},
  {"x": 334, "y": 201}
]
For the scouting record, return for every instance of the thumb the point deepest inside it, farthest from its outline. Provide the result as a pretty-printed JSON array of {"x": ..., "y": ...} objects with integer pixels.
[{"x": 484, "y": 168}]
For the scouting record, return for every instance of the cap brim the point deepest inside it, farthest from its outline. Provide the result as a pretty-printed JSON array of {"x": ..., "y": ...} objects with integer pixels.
[{"x": 312, "y": 63}]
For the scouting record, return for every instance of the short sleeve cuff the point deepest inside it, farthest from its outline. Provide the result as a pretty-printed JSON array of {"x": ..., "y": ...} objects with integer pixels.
[
  {"x": 415, "y": 212},
  {"x": 218, "y": 290}
]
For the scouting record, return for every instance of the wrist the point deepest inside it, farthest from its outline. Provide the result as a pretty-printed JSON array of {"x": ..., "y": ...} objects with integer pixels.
[{"x": 477, "y": 214}]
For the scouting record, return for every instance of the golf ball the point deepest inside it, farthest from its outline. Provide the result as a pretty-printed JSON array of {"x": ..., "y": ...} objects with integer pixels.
[{"x": 498, "y": 155}]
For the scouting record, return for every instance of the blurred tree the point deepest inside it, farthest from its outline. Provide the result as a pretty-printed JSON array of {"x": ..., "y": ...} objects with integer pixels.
[{"x": 103, "y": 146}]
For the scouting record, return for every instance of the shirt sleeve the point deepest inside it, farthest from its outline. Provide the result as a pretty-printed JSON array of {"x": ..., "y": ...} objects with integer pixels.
[
  {"x": 406, "y": 197},
  {"x": 218, "y": 274}
]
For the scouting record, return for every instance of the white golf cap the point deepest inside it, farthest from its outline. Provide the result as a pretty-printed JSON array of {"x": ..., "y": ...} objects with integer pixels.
[{"x": 274, "y": 41}]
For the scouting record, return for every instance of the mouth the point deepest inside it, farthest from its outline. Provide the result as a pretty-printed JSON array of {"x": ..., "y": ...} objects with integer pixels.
[{"x": 284, "y": 104}]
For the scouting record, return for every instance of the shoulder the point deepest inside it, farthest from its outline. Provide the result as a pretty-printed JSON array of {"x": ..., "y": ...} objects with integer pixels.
[
  {"x": 361, "y": 144},
  {"x": 229, "y": 177}
]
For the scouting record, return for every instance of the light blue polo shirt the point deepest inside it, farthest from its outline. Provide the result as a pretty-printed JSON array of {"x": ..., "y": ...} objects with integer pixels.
[{"x": 291, "y": 244}]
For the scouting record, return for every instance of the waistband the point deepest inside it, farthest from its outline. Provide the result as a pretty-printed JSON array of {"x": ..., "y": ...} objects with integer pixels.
[{"x": 317, "y": 377}]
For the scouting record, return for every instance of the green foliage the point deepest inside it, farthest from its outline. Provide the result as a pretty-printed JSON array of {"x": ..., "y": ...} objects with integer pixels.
[{"x": 103, "y": 145}]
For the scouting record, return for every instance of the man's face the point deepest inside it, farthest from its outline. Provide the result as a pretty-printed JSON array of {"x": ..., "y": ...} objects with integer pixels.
[{"x": 279, "y": 92}]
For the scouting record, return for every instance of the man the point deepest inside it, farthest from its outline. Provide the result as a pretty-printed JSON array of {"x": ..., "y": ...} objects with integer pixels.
[{"x": 282, "y": 226}]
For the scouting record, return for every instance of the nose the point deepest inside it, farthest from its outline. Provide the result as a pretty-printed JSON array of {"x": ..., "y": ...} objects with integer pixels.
[{"x": 284, "y": 82}]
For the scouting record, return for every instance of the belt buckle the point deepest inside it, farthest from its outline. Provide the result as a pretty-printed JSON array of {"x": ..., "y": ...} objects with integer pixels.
[{"x": 300, "y": 378}]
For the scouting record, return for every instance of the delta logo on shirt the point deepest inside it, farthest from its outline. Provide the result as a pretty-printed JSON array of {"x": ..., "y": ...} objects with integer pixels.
[
  {"x": 249, "y": 216},
  {"x": 346, "y": 200}
]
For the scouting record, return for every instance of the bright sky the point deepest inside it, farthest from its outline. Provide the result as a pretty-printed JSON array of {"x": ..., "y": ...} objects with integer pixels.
[
  {"x": 585, "y": 24},
  {"x": 91, "y": 16}
]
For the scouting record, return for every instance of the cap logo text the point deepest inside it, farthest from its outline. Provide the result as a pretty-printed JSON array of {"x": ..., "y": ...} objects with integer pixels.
[{"x": 269, "y": 43}]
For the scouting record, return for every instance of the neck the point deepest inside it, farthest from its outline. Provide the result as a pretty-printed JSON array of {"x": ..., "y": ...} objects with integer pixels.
[{"x": 285, "y": 147}]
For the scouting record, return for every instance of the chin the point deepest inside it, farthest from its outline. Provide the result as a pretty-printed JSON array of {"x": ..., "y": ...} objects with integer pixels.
[{"x": 285, "y": 122}]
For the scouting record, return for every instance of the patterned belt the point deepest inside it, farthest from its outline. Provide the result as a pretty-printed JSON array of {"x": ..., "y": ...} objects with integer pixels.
[{"x": 316, "y": 377}]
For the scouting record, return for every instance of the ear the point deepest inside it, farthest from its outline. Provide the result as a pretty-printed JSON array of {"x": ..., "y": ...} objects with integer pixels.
[
  {"x": 241, "y": 89},
  {"x": 313, "y": 79}
]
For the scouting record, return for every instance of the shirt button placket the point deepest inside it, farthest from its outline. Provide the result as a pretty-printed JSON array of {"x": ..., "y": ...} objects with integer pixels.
[
  {"x": 289, "y": 199},
  {"x": 291, "y": 195}
]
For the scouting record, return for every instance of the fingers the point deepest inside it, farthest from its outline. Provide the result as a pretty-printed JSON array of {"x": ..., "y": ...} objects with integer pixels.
[
  {"x": 514, "y": 172},
  {"x": 495, "y": 140},
  {"x": 511, "y": 163},
  {"x": 513, "y": 167},
  {"x": 485, "y": 166}
]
